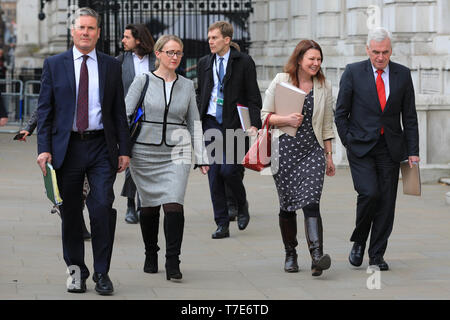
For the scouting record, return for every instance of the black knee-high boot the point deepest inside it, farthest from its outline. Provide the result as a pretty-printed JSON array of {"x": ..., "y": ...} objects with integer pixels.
[
  {"x": 149, "y": 221},
  {"x": 288, "y": 227},
  {"x": 173, "y": 230},
  {"x": 314, "y": 237}
]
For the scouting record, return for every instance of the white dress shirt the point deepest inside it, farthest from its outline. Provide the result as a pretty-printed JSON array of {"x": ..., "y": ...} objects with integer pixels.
[
  {"x": 169, "y": 86},
  {"x": 384, "y": 77},
  {"x": 140, "y": 65},
  {"x": 95, "y": 109},
  {"x": 212, "y": 100}
]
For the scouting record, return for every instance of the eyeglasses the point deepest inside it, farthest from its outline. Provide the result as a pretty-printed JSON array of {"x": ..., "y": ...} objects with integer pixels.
[{"x": 171, "y": 53}]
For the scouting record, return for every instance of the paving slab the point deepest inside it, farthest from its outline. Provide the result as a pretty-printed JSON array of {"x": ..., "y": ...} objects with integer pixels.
[{"x": 248, "y": 265}]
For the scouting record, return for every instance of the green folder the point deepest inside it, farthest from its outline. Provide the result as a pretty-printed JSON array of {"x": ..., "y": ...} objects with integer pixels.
[{"x": 51, "y": 185}]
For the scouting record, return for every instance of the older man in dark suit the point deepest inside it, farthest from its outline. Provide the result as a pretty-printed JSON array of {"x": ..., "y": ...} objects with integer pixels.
[
  {"x": 227, "y": 77},
  {"x": 82, "y": 130},
  {"x": 376, "y": 97}
]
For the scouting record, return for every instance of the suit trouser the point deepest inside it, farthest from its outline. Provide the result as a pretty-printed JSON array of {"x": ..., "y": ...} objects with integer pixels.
[
  {"x": 220, "y": 174},
  {"x": 90, "y": 158},
  {"x": 375, "y": 178}
]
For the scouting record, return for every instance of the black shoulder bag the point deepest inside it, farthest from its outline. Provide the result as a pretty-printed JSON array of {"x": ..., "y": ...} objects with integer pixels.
[{"x": 136, "y": 117}]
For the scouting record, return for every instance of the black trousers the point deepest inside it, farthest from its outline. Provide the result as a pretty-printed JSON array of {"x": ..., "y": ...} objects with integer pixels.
[
  {"x": 375, "y": 178},
  {"x": 90, "y": 158},
  {"x": 220, "y": 175}
]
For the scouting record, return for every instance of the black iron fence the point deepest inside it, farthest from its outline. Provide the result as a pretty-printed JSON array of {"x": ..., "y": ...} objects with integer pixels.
[{"x": 185, "y": 18}]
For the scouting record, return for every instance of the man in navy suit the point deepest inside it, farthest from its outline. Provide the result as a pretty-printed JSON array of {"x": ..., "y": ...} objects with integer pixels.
[
  {"x": 227, "y": 77},
  {"x": 376, "y": 98},
  {"x": 82, "y": 130}
]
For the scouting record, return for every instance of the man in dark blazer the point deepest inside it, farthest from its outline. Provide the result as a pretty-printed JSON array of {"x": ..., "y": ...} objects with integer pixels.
[
  {"x": 138, "y": 58},
  {"x": 227, "y": 77},
  {"x": 82, "y": 130},
  {"x": 376, "y": 97}
]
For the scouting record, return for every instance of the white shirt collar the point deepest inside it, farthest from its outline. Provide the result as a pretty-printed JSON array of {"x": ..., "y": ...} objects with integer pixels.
[
  {"x": 386, "y": 70},
  {"x": 77, "y": 54},
  {"x": 225, "y": 57},
  {"x": 137, "y": 57}
]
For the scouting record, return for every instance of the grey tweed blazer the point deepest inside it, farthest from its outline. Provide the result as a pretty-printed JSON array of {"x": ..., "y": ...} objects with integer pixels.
[{"x": 172, "y": 123}]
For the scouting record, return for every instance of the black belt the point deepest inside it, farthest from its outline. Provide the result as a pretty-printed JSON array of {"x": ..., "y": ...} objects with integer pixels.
[{"x": 86, "y": 135}]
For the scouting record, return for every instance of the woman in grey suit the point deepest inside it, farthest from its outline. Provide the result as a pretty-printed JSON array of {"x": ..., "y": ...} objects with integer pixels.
[
  {"x": 161, "y": 156},
  {"x": 305, "y": 158}
]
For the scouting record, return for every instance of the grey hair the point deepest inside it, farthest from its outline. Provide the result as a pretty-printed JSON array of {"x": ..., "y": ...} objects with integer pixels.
[
  {"x": 378, "y": 35},
  {"x": 85, "y": 11}
]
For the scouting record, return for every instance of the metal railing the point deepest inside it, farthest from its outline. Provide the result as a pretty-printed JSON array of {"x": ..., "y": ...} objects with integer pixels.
[
  {"x": 12, "y": 95},
  {"x": 20, "y": 101}
]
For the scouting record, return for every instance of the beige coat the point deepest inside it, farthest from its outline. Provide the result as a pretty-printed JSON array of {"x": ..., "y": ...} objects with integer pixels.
[{"x": 322, "y": 119}]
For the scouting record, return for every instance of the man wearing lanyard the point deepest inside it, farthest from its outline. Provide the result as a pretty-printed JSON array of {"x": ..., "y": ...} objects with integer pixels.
[{"x": 226, "y": 77}]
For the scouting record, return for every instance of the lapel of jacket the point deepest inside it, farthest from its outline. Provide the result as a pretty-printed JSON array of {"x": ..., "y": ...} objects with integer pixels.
[
  {"x": 318, "y": 98},
  {"x": 151, "y": 62},
  {"x": 392, "y": 84},
  {"x": 209, "y": 74},
  {"x": 101, "y": 75},
  {"x": 233, "y": 54},
  {"x": 372, "y": 86},
  {"x": 128, "y": 66},
  {"x": 70, "y": 72}
]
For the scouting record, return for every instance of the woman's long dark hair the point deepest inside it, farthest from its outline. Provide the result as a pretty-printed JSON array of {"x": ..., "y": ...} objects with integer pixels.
[{"x": 292, "y": 65}]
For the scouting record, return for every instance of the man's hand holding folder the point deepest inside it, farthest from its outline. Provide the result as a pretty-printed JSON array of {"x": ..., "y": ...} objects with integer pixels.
[
  {"x": 42, "y": 160},
  {"x": 411, "y": 176}
]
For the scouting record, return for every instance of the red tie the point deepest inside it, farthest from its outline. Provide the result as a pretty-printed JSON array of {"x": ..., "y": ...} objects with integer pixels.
[
  {"x": 381, "y": 93},
  {"x": 83, "y": 97}
]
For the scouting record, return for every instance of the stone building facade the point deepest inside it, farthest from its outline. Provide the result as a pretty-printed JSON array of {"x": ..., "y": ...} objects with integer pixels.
[{"x": 421, "y": 41}]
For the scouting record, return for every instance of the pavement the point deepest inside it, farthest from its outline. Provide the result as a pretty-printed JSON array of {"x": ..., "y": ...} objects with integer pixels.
[{"x": 246, "y": 266}]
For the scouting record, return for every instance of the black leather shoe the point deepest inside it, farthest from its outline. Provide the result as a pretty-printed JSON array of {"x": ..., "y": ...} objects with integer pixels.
[
  {"x": 379, "y": 262},
  {"x": 131, "y": 216},
  {"x": 357, "y": 254},
  {"x": 103, "y": 284},
  {"x": 243, "y": 217},
  {"x": 221, "y": 232},
  {"x": 75, "y": 287}
]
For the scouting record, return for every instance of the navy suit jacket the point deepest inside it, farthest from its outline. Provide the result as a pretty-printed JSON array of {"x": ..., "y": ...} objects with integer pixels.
[
  {"x": 359, "y": 117},
  {"x": 56, "y": 107}
]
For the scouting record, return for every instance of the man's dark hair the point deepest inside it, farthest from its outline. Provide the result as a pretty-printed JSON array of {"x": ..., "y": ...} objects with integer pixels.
[{"x": 141, "y": 33}]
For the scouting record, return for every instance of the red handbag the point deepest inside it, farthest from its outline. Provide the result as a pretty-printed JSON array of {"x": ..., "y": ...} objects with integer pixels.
[{"x": 258, "y": 156}]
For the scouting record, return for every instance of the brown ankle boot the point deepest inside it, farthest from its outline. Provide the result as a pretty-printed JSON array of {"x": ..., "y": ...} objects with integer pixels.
[
  {"x": 314, "y": 237},
  {"x": 288, "y": 227}
]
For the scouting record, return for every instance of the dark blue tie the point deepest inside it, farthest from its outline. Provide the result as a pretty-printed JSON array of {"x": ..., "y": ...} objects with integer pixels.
[{"x": 219, "y": 104}]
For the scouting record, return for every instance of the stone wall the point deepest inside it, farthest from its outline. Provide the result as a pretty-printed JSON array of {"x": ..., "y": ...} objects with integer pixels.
[
  {"x": 421, "y": 41},
  {"x": 38, "y": 39}
]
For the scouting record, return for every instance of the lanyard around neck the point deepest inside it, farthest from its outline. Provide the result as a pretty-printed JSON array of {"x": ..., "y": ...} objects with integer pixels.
[{"x": 217, "y": 73}]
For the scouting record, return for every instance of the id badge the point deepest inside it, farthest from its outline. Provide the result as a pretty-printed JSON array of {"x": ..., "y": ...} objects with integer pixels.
[{"x": 219, "y": 102}]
